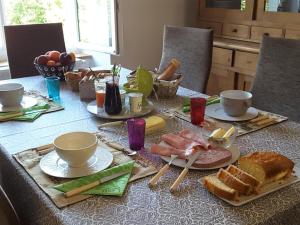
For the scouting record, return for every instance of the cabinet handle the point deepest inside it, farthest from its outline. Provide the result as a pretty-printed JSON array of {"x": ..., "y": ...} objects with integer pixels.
[
  {"x": 267, "y": 34},
  {"x": 234, "y": 30}
]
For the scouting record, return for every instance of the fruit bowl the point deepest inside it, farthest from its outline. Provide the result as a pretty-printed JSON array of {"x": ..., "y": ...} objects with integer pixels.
[
  {"x": 54, "y": 63},
  {"x": 58, "y": 71}
]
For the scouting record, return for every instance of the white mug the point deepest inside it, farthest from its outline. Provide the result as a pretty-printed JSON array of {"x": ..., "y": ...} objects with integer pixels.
[
  {"x": 135, "y": 101},
  {"x": 235, "y": 102}
]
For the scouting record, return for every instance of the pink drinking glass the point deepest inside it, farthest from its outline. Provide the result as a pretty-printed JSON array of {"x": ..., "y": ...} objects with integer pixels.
[
  {"x": 197, "y": 110},
  {"x": 136, "y": 133}
]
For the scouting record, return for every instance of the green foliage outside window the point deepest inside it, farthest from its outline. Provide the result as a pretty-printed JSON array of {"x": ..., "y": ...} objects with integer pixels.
[{"x": 33, "y": 11}]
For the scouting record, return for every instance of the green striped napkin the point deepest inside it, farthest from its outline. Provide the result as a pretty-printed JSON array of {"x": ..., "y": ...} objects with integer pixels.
[
  {"x": 29, "y": 114},
  {"x": 115, "y": 187}
]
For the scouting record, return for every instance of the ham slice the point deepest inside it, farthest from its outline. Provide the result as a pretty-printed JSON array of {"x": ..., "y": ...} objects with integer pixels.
[
  {"x": 212, "y": 157},
  {"x": 192, "y": 136},
  {"x": 176, "y": 141},
  {"x": 167, "y": 151}
]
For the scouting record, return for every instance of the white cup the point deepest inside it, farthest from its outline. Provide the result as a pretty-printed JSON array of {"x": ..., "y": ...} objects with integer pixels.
[
  {"x": 11, "y": 94},
  {"x": 136, "y": 102},
  {"x": 235, "y": 102}
]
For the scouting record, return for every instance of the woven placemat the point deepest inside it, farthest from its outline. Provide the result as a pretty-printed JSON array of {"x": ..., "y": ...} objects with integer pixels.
[
  {"x": 244, "y": 127},
  {"x": 29, "y": 160}
]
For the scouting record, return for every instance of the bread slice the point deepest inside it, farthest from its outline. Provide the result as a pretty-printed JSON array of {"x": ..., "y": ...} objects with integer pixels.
[
  {"x": 243, "y": 176},
  {"x": 217, "y": 187},
  {"x": 266, "y": 166},
  {"x": 234, "y": 182}
]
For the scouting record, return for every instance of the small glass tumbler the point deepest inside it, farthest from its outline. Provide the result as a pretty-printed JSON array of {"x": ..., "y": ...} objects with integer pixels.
[
  {"x": 100, "y": 92},
  {"x": 197, "y": 110},
  {"x": 53, "y": 86},
  {"x": 136, "y": 133}
]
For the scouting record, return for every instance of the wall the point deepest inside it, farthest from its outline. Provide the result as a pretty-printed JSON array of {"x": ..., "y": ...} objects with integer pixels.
[{"x": 141, "y": 25}]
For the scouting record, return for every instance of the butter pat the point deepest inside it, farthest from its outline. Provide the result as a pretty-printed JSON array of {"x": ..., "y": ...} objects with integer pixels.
[
  {"x": 218, "y": 133},
  {"x": 154, "y": 123},
  {"x": 229, "y": 132}
]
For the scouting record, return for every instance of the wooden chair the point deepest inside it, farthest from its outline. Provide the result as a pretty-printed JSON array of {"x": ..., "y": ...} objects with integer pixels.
[
  {"x": 25, "y": 42},
  {"x": 193, "y": 48},
  {"x": 8, "y": 215},
  {"x": 276, "y": 87}
]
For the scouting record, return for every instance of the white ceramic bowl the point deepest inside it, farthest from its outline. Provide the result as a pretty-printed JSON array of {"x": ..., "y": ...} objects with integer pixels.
[
  {"x": 76, "y": 147},
  {"x": 11, "y": 94},
  {"x": 235, "y": 102}
]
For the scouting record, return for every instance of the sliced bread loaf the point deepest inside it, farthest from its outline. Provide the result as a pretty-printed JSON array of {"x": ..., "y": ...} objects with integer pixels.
[
  {"x": 234, "y": 182},
  {"x": 266, "y": 166},
  {"x": 243, "y": 176},
  {"x": 217, "y": 187}
]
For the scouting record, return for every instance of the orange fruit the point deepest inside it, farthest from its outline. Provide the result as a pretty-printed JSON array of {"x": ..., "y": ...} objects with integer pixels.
[
  {"x": 72, "y": 56},
  {"x": 54, "y": 55},
  {"x": 51, "y": 63}
]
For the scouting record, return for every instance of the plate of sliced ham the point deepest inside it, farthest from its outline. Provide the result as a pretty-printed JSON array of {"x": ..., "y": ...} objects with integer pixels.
[{"x": 180, "y": 144}]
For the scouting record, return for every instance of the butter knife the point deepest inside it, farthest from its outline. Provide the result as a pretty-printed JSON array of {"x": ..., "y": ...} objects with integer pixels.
[
  {"x": 162, "y": 171},
  {"x": 86, "y": 187},
  {"x": 182, "y": 175}
]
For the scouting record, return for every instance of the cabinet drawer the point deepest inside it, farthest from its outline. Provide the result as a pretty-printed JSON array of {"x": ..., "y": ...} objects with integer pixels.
[
  {"x": 222, "y": 56},
  {"x": 292, "y": 34},
  {"x": 246, "y": 60},
  {"x": 219, "y": 80},
  {"x": 258, "y": 32},
  {"x": 234, "y": 30},
  {"x": 216, "y": 27}
]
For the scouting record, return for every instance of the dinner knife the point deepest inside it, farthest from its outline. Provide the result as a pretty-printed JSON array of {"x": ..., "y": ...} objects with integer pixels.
[
  {"x": 86, "y": 187},
  {"x": 180, "y": 178},
  {"x": 111, "y": 124},
  {"x": 162, "y": 171}
]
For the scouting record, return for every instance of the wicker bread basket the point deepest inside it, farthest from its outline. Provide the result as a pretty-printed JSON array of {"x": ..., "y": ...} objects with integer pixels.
[{"x": 167, "y": 89}]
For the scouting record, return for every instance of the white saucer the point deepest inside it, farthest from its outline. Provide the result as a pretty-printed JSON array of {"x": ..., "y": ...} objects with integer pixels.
[
  {"x": 181, "y": 162},
  {"x": 52, "y": 165},
  {"x": 26, "y": 102},
  {"x": 216, "y": 111},
  {"x": 124, "y": 114}
]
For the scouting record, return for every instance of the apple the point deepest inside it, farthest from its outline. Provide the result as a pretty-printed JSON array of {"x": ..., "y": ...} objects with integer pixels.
[
  {"x": 65, "y": 58},
  {"x": 42, "y": 60},
  {"x": 54, "y": 55}
]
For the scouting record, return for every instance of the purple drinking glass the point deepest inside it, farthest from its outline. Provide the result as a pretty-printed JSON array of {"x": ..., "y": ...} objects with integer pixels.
[{"x": 136, "y": 133}]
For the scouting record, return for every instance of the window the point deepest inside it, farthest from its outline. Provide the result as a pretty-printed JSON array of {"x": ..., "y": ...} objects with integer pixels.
[{"x": 88, "y": 24}]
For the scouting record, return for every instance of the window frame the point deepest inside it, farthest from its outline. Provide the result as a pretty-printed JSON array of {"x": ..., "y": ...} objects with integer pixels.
[{"x": 86, "y": 46}]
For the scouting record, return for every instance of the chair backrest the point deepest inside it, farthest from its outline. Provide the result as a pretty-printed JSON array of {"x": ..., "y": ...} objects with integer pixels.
[
  {"x": 276, "y": 87},
  {"x": 8, "y": 215},
  {"x": 193, "y": 48},
  {"x": 25, "y": 42}
]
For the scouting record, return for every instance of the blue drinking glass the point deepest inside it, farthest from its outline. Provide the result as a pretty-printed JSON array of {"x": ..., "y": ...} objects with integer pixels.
[{"x": 53, "y": 86}]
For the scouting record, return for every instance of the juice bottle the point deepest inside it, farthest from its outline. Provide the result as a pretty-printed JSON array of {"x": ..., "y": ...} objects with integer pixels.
[{"x": 113, "y": 104}]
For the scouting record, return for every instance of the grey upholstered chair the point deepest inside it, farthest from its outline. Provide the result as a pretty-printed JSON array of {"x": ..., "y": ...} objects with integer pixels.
[
  {"x": 8, "y": 215},
  {"x": 193, "y": 48},
  {"x": 276, "y": 87},
  {"x": 25, "y": 42}
]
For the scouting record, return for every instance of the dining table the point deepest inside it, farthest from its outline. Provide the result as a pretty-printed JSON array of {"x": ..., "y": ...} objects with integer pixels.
[{"x": 191, "y": 204}]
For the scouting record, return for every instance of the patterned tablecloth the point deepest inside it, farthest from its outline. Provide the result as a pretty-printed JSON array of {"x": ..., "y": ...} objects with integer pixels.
[{"x": 140, "y": 205}]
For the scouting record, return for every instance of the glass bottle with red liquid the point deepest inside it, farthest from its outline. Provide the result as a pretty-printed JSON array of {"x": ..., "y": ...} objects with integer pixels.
[
  {"x": 198, "y": 110},
  {"x": 112, "y": 103}
]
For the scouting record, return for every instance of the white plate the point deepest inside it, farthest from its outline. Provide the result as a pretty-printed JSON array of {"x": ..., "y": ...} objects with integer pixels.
[
  {"x": 216, "y": 111},
  {"x": 26, "y": 102},
  {"x": 269, "y": 188},
  {"x": 54, "y": 166},
  {"x": 125, "y": 114},
  {"x": 181, "y": 162}
]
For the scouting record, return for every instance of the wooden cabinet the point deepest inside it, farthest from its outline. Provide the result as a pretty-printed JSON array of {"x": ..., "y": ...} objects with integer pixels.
[{"x": 238, "y": 29}]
